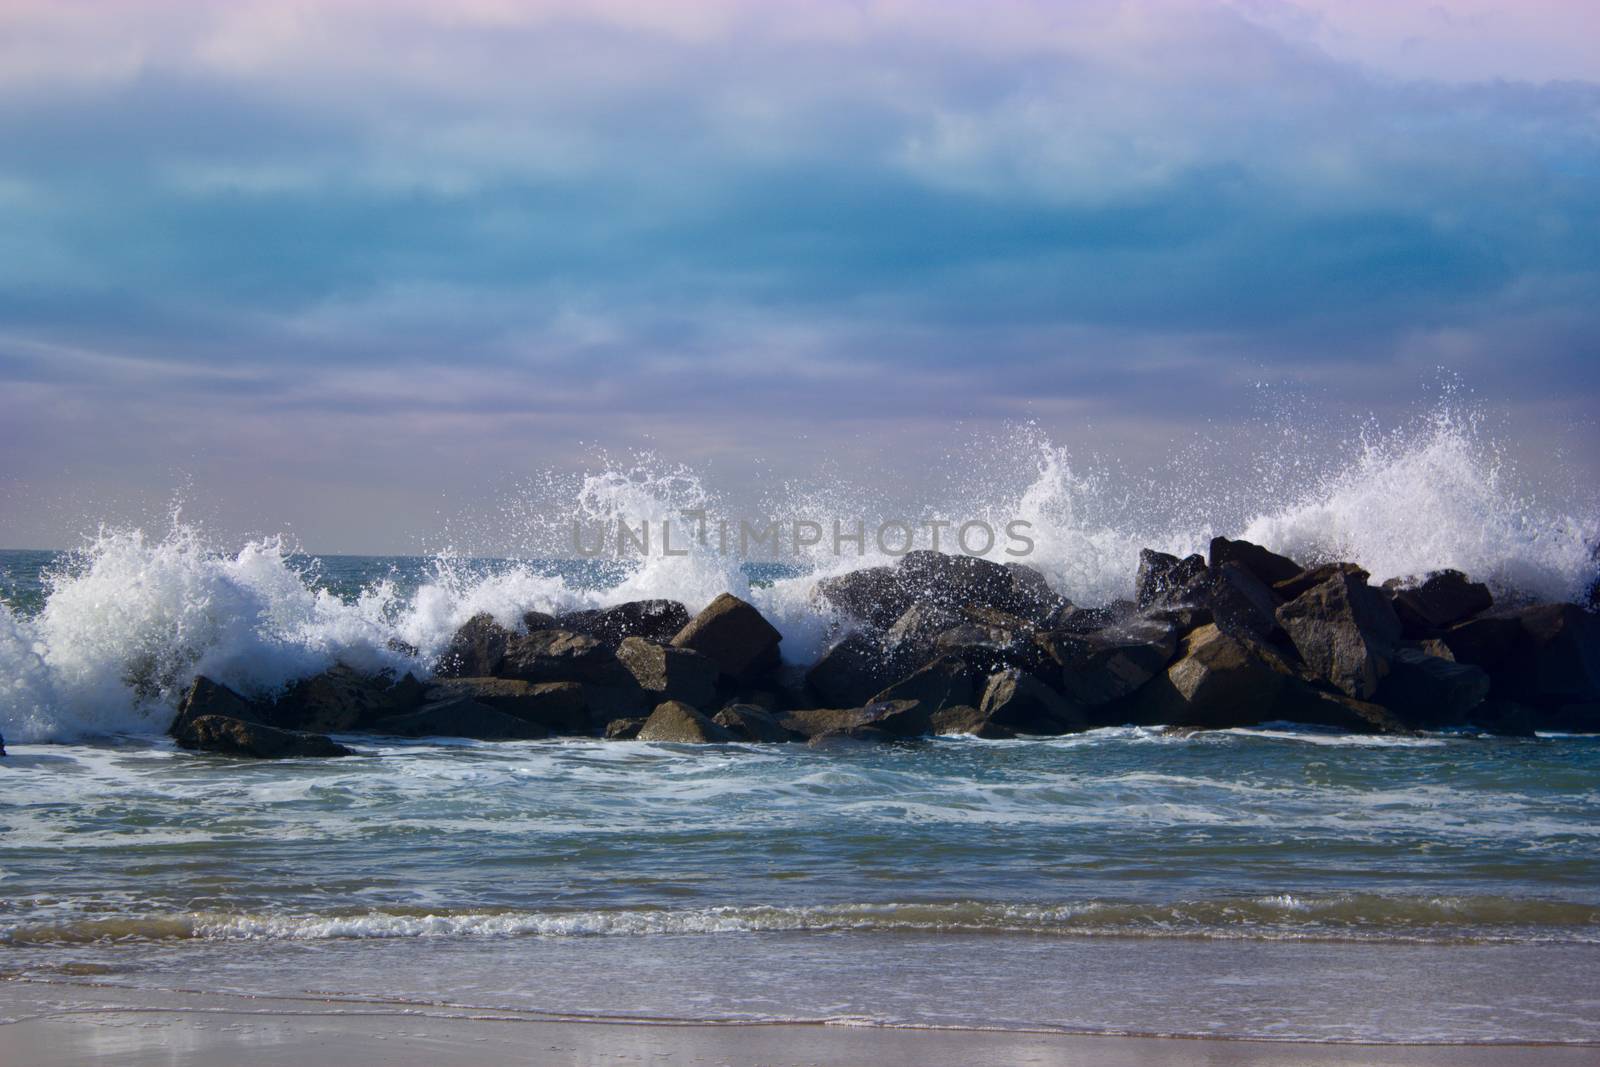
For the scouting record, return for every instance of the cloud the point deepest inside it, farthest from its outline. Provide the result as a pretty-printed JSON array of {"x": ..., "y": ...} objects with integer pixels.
[{"x": 478, "y": 223}]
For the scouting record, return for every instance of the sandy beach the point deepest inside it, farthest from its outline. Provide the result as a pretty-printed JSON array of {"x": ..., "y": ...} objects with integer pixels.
[{"x": 56, "y": 1025}]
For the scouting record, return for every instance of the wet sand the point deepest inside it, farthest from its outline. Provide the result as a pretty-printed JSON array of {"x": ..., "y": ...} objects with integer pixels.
[{"x": 57, "y": 1025}]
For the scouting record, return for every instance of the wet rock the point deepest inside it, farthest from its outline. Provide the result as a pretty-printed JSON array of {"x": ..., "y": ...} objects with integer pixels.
[
  {"x": 1546, "y": 656},
  {"x": 747, "y": 722},
  {"x": 1022, "y": 703},
  {"x": 1427, "y": 692},
  {"x": 1164, "y": 580},
  {"x": 1242, "y": 604},
  {"x": 1110, "y": 664},
  {"x": 880, "y": 595},
  {"x": 2, "y": 744},
  {"x": 205, "y": 697},
  {"x": 623, "y": 729},
  {"x": 989, "y": 639},
  {"x": 945, "y": 682},
  {"x": 539, "y": 620},
  {"x": 1345, "y": 631},
  {"x": 460, "y": 717},
  {"x": 476, "y": 649},
  {"x": 880, "y": 720},
  {"x": 1221, "y": 681},
  {"x": 404, "y": 648},
  {"x": 674, "y": 721},
  {"x": 341, "y": 699},
  {"x": 966, "y": 719},
  {"x": 668, "y": 673},
  {"x": 1314, "y": 576},
  {"x": 1442, "y": 600},
  {"x": 849, "y": 672},
  {"x": 734, "y": 635},
  {"x": 653, "y": 620},
  {"x": 625, "y": 701},
  {"x": 1268, "y": 567},
  {"x": 558, "y": 707},
  {"x": 230, "y": 736},
  {"x": 1183, "y": 619},
  {"x": 563, "y": 656}
]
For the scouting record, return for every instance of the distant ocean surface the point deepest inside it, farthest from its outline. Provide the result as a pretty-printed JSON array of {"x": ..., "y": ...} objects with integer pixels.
[{"x": 1272, "y": 883}]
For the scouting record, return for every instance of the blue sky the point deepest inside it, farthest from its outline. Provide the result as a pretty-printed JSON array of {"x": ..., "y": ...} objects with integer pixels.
[{"x": 355, "y": 267}]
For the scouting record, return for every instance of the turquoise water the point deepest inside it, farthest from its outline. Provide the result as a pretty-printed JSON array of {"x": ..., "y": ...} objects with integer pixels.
[{"x": 1270, "y": 883}]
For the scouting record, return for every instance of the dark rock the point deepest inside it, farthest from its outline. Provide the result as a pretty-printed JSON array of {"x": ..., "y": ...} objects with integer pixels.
[
  {"x": 563, "y": 656},
  {"x": 2, "y": 744},
  {"x": 1443, "y": 599},
  {"x": 940, "y": 684},
  {"x": 1293, "y": 587},
  {"x": 1166, "y": 581},
  {"x": 342, "y": 699},
  {"x": 404, "y": 648},
  {"x": 1022, "y": 703},
  {"x": 674, "y": 721},
  {"x": 476, "y": 649},
  {"x": 851, "y": 671},
  {"x": 880, "y": 720},
  {"x": 460, "y": 717},
  {"x": 736, "y": 637},
  {"x": 539, "y": 620},
  {"x": 205, "y": 697},
  {"x": 989, "y": 639},
  {"x": 1221, "y": 681},
  {"x": 623, "y": 729},
  {"x": 1269, "y": 567},
  {"x": 668, "y": 673},
  {"x": 1112, "y": 663},
  {"x": 1346, "y": 632},
  {"x": 1427, "y": 692},
  {"x": 1242, "y": 604},
  {"x": 607, "y": 702},
  {"x": 558, "y": 707},
  {"x": 653, "y": 620},
  {"x": 1546, "y": 656},
  {"x": 230, "y": 736},
  {"x": 880, "y": 595},
  {"x": 1182, "y": 619},
  {"x": 966, "y": 719},
  {"x": 747, "y": 722}
]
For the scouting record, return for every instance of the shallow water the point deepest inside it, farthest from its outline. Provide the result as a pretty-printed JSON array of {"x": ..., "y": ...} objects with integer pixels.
[{"x": 1267, "y": 883}]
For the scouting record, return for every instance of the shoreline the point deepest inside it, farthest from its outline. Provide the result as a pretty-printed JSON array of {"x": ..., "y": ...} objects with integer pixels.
[{"x": 59, "y": 1023}]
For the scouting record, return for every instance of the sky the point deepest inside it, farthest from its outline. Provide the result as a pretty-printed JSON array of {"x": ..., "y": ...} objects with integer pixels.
[{"x": 357, "y": 269}]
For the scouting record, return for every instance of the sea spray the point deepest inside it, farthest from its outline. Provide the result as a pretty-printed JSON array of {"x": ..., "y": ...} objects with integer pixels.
[{"x": 131, "y": 617}]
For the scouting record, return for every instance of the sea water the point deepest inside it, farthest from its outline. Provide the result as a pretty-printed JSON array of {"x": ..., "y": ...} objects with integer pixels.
[{"x": 1279, "y": 882}]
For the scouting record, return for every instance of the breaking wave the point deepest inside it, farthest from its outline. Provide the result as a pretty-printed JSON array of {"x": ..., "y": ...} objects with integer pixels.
[{"x": 131, "y": 617}]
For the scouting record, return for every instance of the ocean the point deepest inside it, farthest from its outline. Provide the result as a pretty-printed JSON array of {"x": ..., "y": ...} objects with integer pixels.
[{"x": 1276, "y": 883}]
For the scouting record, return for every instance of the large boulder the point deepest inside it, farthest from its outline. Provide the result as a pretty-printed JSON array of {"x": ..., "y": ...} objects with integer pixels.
[
  {"x": 879, "y": 720},
  {"x": 668, "y": 673},
  {"x": 880, "y": 595},
  {"x": 1428, "y": 692},
  {"x": 1345, "y": 631},
  {"x": 945, "y": 682},
  {"x": 1220, "y": 680},
  {"x": 675, "y": 721},
  {"x": 342, "y": 698},
  {"x": 1313, "y": 576},
  {"x": 460, "y": 716},
  {"x": 1165, "y": 581},
  {"x": 206, "y": 697},
  {"x": 623, "y": 729},
  {"x": 735, "y": 636},
  {"x": 1111, "y": 663},
  {"x": 747, "y": 722},
  {"x": 1267, "y": 566},
  {"x": 966, "y": 719},
  {"x": 850, "y": 671},
  {"x": 476, "y": 649},
  {"x": 1021, "y": 703},
  {"x": 1242, "y": 604},
  {"x": 229, "y": 736},
  {"x": 1546, "y": 656},
  {"x": 1441, "y": 600},
  {"x": 563, "y": 656},
  {"x": 557, "y": 707},
  {"x": 989, "y": 639},
  {"x": 653, "y": 620}
]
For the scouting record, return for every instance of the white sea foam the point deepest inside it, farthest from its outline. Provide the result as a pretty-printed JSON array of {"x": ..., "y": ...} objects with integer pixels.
[{"x": 124, "y": 630}]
